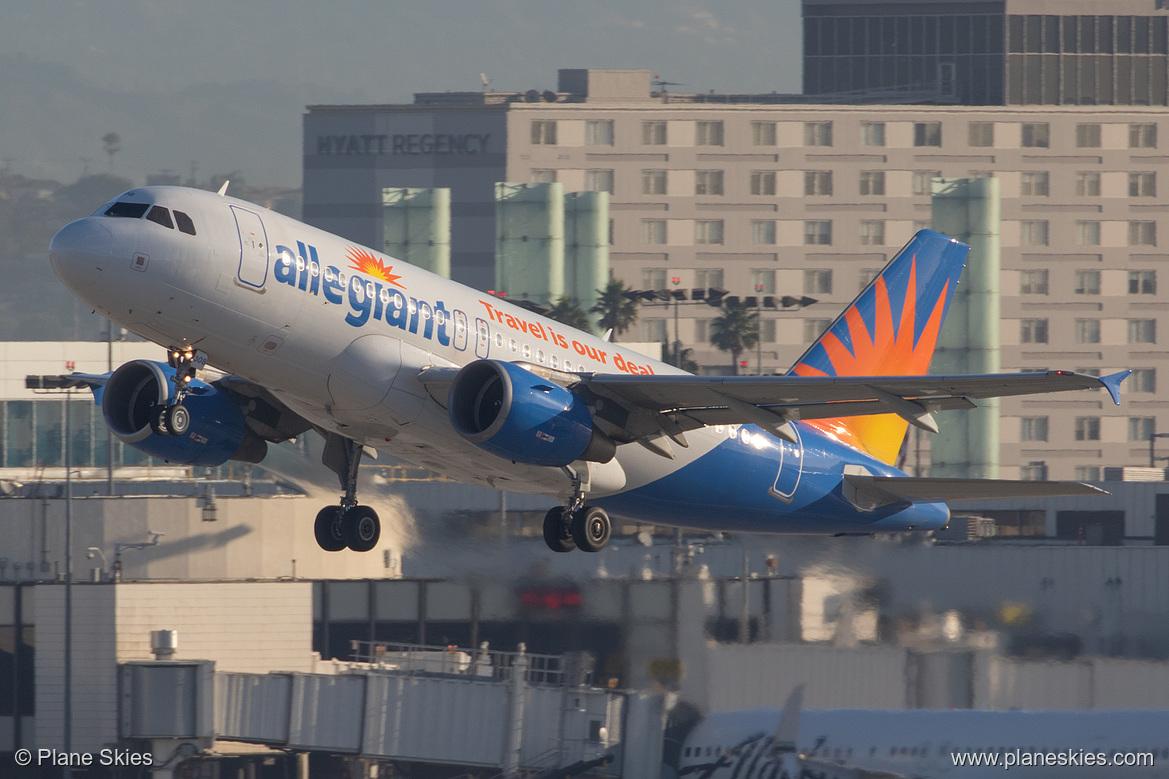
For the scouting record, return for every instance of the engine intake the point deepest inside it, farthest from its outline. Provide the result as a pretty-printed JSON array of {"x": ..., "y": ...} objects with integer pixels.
[{"x": 515, "y": 414}]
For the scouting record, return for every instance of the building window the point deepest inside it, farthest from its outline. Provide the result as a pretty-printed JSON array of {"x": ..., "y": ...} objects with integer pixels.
[
  {"x": 709, "y": 277},
  {"x": 1087, "y": 428},
  {"x": 1142, "y": 380},
  {"x": 763, "y": 280},
  {"x": 1033, "y": 331},
  {"x": 1034, "y": 183},
  {"x": 1142, "y": 282},
  {"x": 543, "y": 175},
  {"x": 708, "y": 182},
  {"x": 1088, "y": 136},
  {"x": 653, "y": 133},
  {"x": 1088, "y": 233},
  {"x": 1141, "y": 428},
  {"x": 702, "y": 331},
  {"x": 708, "y": 231},
  {"x": 1033, "y": 429},
  {"x": 1033, "y": 232},
  {"x": 708, "y": 133},
  {"x": 818, "y": 232},
  {"x": 1036, "y": 470},
  {"x": 653, "y": 182},
  {"x": 814, "y": 328},
  {"x": 982, "y": 134},
  {"x": 817, "y": 182},
  {"x": 1142, "y": 331},
  {"x": 1142, "y": 136},
  {"x": 1142, "y": 233},
  {"x": 927, "y": 134},
  {"x": 599, "y": 132},
  {"x": 1087, "y": 331},
  {"x": 817, "y": 133},
  {"x": 654, "y": 330},
  {"x": 872, "y": 232},
  {"x": 923, "y": 181},
  {"x": 1036, "y": 135},
  {"x": 1088, "y": 184},
  {"x": 762, "y": 133},
  {"x": 872, "y": 182},
  {"x": 1087, "y": 473},
  {"x": 653, "y": 231},
  {"x": 872, "y": 133},
  {"x": 543, "y": 132},
  {"x": 598, "y": 181},
  {"x": 763, "y": 231},
  {"x": 1142, "y": 185},
  {"x": 817, "y": 281},
  {"x": 767, "y": 331},
  {"x": 868, "y": 276},
  {"x": 763, "y": 182},
  {"x": 1087, "y": 282},
  {"x": 653, "y": 278},
  {"x": 1033, "y": 282}
]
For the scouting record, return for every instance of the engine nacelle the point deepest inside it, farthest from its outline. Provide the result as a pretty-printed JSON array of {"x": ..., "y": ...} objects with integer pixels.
[
  {"x": 217, "y": 434},
  {"x": 515, "y": 414}
]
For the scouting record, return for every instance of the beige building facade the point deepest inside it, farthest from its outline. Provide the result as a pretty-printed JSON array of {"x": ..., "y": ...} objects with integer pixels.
[{"x": 747, "y": 193}]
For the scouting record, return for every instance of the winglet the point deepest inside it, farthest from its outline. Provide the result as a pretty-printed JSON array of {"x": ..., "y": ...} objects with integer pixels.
[
  {"x": 223, "y": 189},
  {"x": 1112, "y": 383},
  {"x": 787, "y": 734}
]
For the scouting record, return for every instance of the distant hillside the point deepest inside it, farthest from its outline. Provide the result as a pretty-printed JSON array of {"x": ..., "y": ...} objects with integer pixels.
[{"x": 52, "y": 121}]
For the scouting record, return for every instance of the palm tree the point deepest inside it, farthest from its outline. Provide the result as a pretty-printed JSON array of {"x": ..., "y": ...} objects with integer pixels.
[
  {"x": 685, "y": 360},
  {"x": 568, "y": 311},
  {"x": 736, "y": 330},
  {"x": 617, "y": 310}
]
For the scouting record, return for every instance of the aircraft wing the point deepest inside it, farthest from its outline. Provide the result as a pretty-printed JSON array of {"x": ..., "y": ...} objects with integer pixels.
[
  {"x": 869, "y": 492},
  {"x": 642, "y": 407},
  {"x": 688, "y": 402}
]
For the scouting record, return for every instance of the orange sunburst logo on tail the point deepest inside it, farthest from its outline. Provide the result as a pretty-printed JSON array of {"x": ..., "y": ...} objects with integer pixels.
[
  {"x": 889, "y": 349},
  {"x": 364, "y": 261}
]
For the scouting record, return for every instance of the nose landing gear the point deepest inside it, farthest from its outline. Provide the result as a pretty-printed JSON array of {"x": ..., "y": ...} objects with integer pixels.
[
  {"x": 174, "y": 418},
  {"x": 347, "y": 525}
]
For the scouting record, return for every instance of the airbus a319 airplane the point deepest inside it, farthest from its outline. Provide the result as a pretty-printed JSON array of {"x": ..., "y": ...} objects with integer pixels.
[{"x": 275, "y": 328}]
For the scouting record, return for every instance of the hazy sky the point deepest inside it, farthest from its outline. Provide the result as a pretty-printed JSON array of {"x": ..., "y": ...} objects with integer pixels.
[{"x": 376, "y": 51}]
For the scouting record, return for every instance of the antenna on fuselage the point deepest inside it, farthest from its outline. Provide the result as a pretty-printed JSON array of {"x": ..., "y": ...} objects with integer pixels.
[{"x": 223, "y": 189}]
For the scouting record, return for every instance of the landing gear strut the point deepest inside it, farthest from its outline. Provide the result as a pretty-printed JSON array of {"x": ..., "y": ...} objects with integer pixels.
[
  {"x": 577, "y": 526},
  {"x": 174, "y": 418},
  {"x": 348, "y": 525}
]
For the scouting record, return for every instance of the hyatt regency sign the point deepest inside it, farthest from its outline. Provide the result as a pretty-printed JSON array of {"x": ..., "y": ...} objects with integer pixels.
[{"x": 413, "y": 143}]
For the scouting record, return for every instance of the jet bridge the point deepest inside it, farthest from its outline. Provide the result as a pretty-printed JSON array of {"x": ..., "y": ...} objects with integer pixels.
[{"x": 511, "y": 712}]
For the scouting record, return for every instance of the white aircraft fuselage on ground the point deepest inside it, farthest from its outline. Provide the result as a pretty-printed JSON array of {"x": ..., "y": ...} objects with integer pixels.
[{"x": 313, "y": 331}]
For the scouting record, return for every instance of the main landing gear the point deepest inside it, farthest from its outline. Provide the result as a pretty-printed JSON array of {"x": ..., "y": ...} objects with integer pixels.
[
  {"x": 348, "y": 525},
  {"x": 577, "y": 526},
  {"x": 173, "y": 418}
]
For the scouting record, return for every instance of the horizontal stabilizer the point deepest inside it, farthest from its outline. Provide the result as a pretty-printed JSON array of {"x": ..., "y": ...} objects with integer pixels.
[{"x": 870, "y": 492}]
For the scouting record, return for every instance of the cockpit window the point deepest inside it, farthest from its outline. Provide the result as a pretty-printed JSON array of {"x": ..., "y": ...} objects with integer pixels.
[
  {"x": 161, "y": 216},
  {"x": 128, "y": 210},
  {"x": 184, "y": 222}
]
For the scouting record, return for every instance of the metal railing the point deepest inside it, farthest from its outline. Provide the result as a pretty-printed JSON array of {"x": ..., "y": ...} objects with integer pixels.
[{"x": 482, "y": 663}]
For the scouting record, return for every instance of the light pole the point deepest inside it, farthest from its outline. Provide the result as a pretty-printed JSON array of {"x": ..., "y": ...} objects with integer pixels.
[
  {"x": 759, "y": 324},
  {"x": 68, "y": 578},
  {"x": 677, "y": 295}
]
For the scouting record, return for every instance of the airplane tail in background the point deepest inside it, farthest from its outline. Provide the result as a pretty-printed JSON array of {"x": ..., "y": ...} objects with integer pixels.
[{"x": 891, "y": 329}]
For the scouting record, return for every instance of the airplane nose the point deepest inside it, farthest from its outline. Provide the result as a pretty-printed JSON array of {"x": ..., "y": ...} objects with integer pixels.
[{"x": 79, "y": 252}]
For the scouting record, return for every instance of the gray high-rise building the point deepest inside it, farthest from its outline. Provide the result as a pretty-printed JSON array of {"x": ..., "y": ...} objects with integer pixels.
[{"x": 989, "y": 52}]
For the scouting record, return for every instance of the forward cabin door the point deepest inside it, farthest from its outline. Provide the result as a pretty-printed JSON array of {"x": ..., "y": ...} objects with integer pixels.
[{"x": 253, "y": 248}]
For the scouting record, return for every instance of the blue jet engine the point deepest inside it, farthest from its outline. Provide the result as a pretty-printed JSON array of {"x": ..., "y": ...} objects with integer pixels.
[
  {"x": 218, "y": 431},
  {"x": 511, "y": 412}
]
